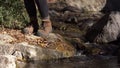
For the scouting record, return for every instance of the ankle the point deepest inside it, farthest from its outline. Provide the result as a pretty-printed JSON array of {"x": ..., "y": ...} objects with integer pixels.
[{"x": 46, "y": 23}]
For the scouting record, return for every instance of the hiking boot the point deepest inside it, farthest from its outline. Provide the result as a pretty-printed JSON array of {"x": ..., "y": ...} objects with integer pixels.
[
  {"x": 47, "y": 28},
  {"x": 32, "y": 27},
  {"x": 28, "y": 30}
]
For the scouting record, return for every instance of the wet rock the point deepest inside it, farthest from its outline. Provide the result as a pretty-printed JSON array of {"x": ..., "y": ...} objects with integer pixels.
[
  {"x": 58, "y": 43},
  {"x": 100, "y": 49},
  {"x": 7, "y": 61},
  {"x": 107, "y": 29},
  {"x": 72, "y": 22}
]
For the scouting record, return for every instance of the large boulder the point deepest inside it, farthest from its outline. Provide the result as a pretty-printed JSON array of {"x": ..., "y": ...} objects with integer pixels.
[
  {"x": 16, "y": 48},
  {"x": 107, "y": 29},
  {"x": 30, "y": 47},
  {"x": 24, "y": 51},
  {"x": 85, "y": 5},
  {"x": 62, "y": 9}
]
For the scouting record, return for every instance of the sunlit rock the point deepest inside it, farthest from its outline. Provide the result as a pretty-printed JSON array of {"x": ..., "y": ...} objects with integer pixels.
[
  {"x": 53, "y": 50},
  {"x": 7, "y": 61},
  {"x": 18, "y": 55},
  {"x": 85, "y": 5},
  {"x": 5, "y": 38},
  {"x": 31, "y": 47},
  {"x": 6, "y": 49}
]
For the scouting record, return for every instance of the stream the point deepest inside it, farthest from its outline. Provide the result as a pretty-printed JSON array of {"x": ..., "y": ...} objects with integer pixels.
[{"x": 75, "y": 62}]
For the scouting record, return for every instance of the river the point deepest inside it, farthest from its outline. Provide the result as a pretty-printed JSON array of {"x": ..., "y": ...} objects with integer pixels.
[{"x": 75, "y": 62}]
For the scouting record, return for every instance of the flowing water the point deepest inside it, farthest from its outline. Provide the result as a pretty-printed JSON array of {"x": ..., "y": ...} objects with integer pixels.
[{"x": 75, "y": 62}]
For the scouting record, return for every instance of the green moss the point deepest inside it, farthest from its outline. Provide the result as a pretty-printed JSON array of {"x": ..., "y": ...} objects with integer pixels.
[{"x": 13, "y": 13}]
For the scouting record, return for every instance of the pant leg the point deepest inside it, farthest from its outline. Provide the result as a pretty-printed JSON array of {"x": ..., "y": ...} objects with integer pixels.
[
  {"x": 43, "y": 8},
  {"x": 32, "y": 12},
  {"x": 31, "y": 9}
]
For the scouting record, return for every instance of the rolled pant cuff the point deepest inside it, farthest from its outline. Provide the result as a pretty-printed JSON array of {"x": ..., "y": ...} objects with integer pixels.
[{"x": 46, "y": 18}]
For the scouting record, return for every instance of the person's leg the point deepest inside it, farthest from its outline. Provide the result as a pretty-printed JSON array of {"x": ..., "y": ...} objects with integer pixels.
[
  {"x": 44, "y": 12},
  {"x": 31, "y": 10},
  {"x": 43, "y": 8}
]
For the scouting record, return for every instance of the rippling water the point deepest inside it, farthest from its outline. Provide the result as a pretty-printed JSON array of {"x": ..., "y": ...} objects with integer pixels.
[{"x": 75, "y": 62}]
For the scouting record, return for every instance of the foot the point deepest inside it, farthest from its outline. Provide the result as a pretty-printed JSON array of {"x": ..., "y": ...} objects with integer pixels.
[
  {"x": 31, "y": 27},
  {"x": 47, "y": 28},
  {"x": 28, "y": 30}
]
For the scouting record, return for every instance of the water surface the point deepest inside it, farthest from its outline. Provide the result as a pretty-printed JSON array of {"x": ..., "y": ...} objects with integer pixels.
[{"x": 75, "y": 62}]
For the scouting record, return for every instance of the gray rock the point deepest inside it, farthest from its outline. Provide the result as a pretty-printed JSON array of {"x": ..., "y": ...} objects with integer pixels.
[
  {"x": 106, "y": 30},
  {"x": 18, "y": 55},
  {"x": 24, "y": 51},
  {"x": 87, "y": 5},
  {"x": 32, "y": 52},
  {"x": 7, "y": 61},
  {"x": 5, "y": 38},
  {"x": 6, "y": 49},
  {"x": 90, "y": 5}
]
